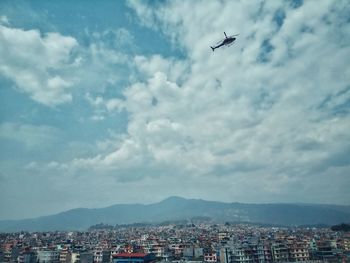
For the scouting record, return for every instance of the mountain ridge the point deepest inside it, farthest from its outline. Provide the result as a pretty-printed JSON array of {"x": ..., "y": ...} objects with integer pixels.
[{"x": 179, "y": 208}]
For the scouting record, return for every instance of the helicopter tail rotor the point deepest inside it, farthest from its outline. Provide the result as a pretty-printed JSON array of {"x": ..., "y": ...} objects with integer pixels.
[{"x": 212, "y": 48}]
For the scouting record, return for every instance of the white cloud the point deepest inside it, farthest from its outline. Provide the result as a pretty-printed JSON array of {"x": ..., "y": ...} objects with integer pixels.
[
  {"x": 51, "y": 67},
  {"x": 174, "y": 69},
  {"x": 103, "y": 107},
  {"x": 34, "y": 61},
  {"x": 114, "y": 104},
  {"x": 104, "y": 63},
  {"x": 47, "y": 67},
  {"x": 242, "y": 118}
]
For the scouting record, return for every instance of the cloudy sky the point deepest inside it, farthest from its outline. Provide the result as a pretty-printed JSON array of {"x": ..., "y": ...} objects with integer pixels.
[{"x": 106, "y": 102}]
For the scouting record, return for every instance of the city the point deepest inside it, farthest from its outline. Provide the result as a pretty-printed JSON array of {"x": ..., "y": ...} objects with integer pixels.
[
  {"x": 171, "y": 242},
  {"x": 174, "y": 131}
]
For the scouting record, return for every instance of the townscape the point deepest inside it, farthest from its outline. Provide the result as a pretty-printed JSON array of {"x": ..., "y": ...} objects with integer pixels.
[
  {"x": 189, "y": 242},
  {"x": 174, "y": 131}
]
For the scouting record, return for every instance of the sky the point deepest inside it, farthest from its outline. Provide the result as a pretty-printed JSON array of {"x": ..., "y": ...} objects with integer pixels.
[{"x": 106, "y": 102}]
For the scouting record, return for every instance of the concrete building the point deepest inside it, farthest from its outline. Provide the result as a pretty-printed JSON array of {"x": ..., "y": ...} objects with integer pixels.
[
  {"x": 86, "y": 257},
  {"x": 65, "y": 256},
  {"x": 225, "y": 255},
  {"x": 298, "y": 251},
  {"x": 188, "y": 252},
  {"x": 192, "y": 252},
  {"x": 27, "y": 257},
  {"x": 101, "y": 256},
  {"x": 280, "y": 252},
  {"x": 133, "y": 258},
  {"x": 210, "y": 257},
  {"x": 198, "y": 252},
  {"x": 264, "y": 253},
  {"x": 82, "y": 257},
  {"x": 48, "y": 256},
  {"x": 75, "y": 257},
  {"x": 325, "y": 251},
  {"x": 242, "y": 254}
]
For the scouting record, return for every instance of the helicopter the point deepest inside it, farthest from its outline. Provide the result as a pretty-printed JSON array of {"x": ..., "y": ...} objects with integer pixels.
[{"x": 227, "y": 41}]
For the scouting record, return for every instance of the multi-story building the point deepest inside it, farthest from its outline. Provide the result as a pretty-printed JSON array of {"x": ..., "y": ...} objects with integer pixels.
[
  {"x": 82, "y": 257},
  {"x": 280, "y": 252},
  {"x": 6, "y": 255},
  {"x": 198, "y": 252},
  {"x": 86, "y": 257},
  {"x": 158, "y": 251},
  {"x": 133, "y": 258},
  {"x": 27, "y": 257},
  {"x": 210, "y": 257},
  {"x": 298, "y": 251},
  {"x": 242, "y": 254},
  {"x": 264, "y": 253},
  {"x": 48, "y": 256},
  {"x": 223, "y": 235},
  {"x": 344, "y": 244},
  {"x": 101, "y": 255},
  {"x": 325, "y": 251},
  {"x": 65, "y": 256},
  {"x": 188, "y": 252},
  {"x": 237, "y": 254},
  {"x": 225, "y": 255},
  {"x": 176, "y": 250},
  {"x": 10, "y": 253},
  {"x": 75, "y": 257},
  {"x": 106, "y": 255}
]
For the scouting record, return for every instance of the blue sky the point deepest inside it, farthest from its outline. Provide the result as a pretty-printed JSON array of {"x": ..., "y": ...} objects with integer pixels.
[{"x": 123, "y": 101}]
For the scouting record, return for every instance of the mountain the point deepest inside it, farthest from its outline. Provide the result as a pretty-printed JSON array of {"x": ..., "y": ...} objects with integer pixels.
[{"x": 177, "y": 208}]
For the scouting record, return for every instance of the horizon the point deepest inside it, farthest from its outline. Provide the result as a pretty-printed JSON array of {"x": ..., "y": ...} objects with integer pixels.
[
  {"x": 173, "y": 197},
  {"x": 125, "y": 102}
]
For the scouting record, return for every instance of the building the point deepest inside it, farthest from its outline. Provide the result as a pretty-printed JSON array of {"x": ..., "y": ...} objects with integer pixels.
[
  {"x": 325, "y": 251},
  {"x": 242, "y": 254},
  {"x": 225, "y": 255},
  {"x": 188, "y": 252},
  {"x": 210, "y": 257},
  {"x": 280, "y": 252},
  {"x": 264, "y": 253},
  {"x": 298, "y": 251},
  {"x": 192, "y": 252},
  {"x": 86, "y": 257},
  {"x": 75, "y": 257},
  {"x": 101, "y": 256},
  {"x": 48, "y": 256},
  {"x": 65, "y": 256},
  {"x": 133, "y": 258},
  {"x": 198, "y": 252},
  {"x": 27, "y": 257},
  {"x": 82, "y": 257}
]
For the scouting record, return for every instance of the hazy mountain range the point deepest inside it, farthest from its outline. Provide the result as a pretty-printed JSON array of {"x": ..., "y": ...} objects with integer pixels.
[{"x": 177, "y": 208}]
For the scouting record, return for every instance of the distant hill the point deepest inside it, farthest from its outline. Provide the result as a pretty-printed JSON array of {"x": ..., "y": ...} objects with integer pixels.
[
  {"x": 177, "y": 208},
  {"x": 341, "y": 227}
]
